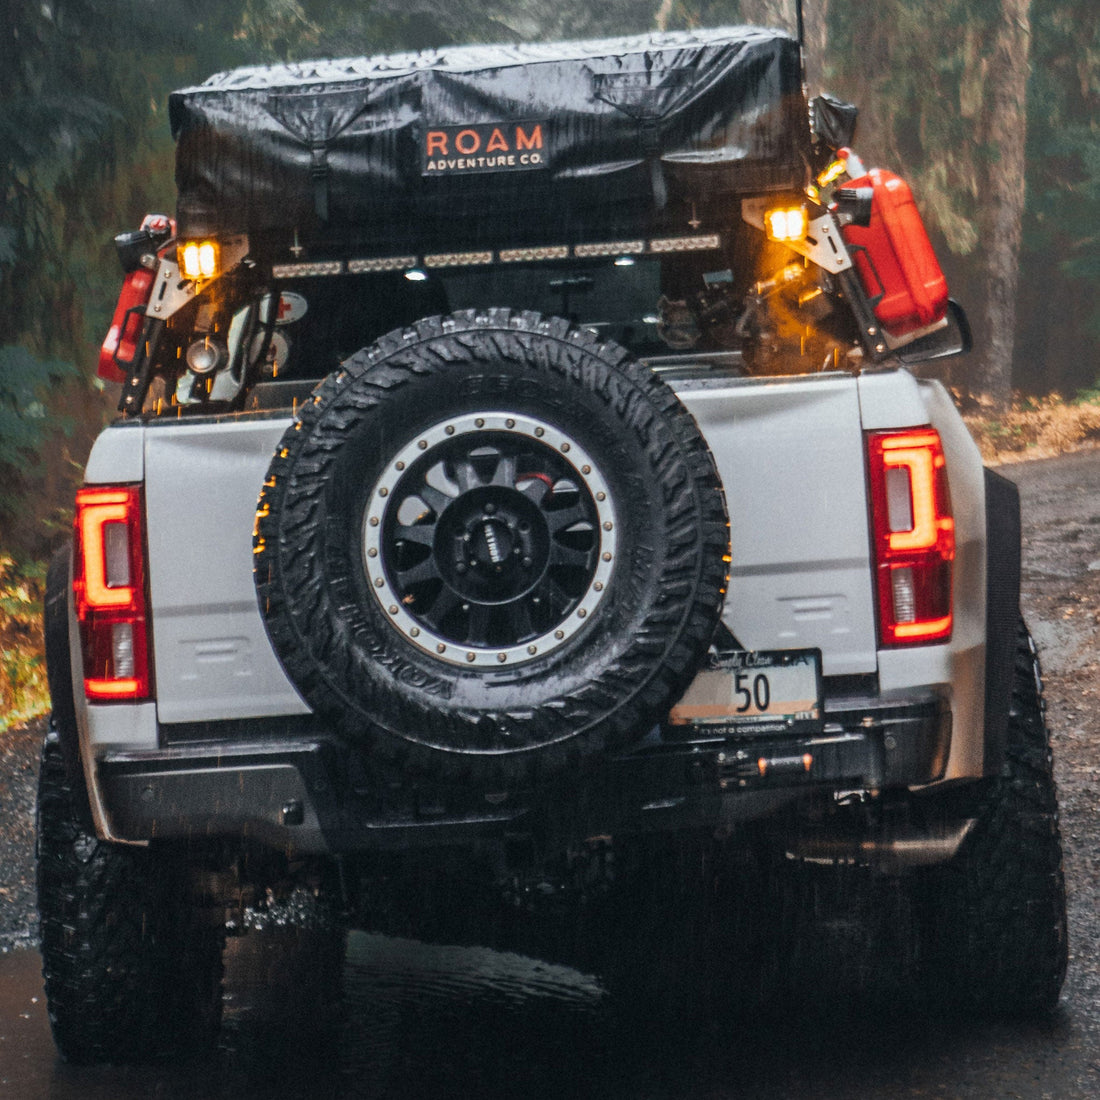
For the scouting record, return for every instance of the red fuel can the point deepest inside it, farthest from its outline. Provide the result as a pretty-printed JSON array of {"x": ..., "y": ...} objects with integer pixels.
[
  {"x": 894, "y": 259},
  {"x": 120, "y": 344}
]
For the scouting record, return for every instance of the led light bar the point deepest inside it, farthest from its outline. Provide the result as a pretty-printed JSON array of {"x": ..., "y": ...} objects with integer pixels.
[
  {"x": 608, "y": 248},
  {"x": 526, "y": 255},
  {"x": 685, "y": 244},
  {"x": 458, "y": 259},
  {"x": 308, "y": 270},
  {"x": 480, "y": 258},
  {"x": 381, "y": 263}
]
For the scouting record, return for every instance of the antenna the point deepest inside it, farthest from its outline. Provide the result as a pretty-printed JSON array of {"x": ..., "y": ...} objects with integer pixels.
[{"x": 800, "y": 26}]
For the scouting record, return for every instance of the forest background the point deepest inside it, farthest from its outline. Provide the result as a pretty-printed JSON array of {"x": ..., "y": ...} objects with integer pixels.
[{"x": 988, "y": 107}]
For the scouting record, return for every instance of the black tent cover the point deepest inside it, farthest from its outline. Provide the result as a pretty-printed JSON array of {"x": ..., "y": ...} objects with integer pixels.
[{"x": 494, "y": 146}]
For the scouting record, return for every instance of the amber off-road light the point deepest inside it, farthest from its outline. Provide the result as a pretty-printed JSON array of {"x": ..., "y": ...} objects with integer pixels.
[
  {"x": 786, "y": 223},
  {"x": 199, "y": 259}
]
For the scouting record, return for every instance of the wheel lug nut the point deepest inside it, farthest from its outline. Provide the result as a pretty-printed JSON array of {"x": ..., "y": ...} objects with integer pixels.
[
  {"x": 526, "y": 563},
  {"x": 490, "y": 508}
]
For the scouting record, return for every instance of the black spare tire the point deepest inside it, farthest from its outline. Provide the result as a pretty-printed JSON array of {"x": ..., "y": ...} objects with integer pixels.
[{"x": 491, "y": 545}]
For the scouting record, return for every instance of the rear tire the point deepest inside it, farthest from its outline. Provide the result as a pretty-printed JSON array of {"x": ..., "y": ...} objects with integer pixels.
[
  {"x": 131, "y": 974},
  {"x": 995, "y": 916}
]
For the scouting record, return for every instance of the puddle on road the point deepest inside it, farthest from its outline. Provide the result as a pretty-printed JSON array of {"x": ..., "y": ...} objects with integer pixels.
[
  {"x": 431, "y": 1022},
  {"x": 414, "y": 1020}
]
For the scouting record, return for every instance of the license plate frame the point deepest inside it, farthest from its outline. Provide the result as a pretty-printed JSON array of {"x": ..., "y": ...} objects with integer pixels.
[{"x": 743, "y": 692}]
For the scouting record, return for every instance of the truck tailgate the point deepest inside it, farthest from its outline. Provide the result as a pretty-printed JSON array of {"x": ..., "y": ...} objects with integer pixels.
[{"x": 789, "y": 452}]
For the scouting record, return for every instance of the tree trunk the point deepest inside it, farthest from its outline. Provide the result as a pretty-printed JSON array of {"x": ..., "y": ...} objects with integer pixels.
[
  {"x": 1004, "y": 193},
  {"x": 816, "y": 15},
  {"x": 769, "y": 13}
]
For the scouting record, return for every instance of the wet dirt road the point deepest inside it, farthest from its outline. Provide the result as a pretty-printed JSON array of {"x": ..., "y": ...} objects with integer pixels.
[{"x": 428, "y": 1021}]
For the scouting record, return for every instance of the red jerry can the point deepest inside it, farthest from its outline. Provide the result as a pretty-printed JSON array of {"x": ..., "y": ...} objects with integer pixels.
[
  {"x": 120, "y": 344},
  {"x": 894, "y": 259}
]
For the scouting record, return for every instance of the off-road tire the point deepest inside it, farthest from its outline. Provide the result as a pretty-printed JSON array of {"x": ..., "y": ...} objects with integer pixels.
[
  {"x": 995, "y": 916},
  {"x": 131, "y": 975},
  {"x": 510, "y": 707}
]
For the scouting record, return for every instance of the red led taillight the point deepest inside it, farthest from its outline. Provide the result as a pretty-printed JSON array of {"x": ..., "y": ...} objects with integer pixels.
[
  {"x": 109, "y": 586},
  {"x": 914, "y": 536}
]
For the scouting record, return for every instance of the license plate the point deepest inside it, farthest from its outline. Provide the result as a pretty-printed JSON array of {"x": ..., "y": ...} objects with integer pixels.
[{"x": 770, "y": 691}]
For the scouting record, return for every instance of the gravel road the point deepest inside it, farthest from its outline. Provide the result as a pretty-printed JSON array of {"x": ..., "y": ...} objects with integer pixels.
[
  {"x": 431, "y": 1021},
  {"x": 19, "y": 750},
  {"x": 1061, "y": 584}
]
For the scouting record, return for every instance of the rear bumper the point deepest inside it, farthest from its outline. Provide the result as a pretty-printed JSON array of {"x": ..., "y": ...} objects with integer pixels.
[{"x": 310, "y": 795}]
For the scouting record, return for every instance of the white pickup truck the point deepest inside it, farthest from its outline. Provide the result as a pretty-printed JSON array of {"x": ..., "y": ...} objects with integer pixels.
[{"x": 498, "y": 517}]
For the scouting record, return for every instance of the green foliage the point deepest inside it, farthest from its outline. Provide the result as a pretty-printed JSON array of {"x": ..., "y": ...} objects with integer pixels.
[
  {"x": 33, "y": 428},
  {"x": 86, "y": 153},
  {"x": 1059, "y": 334},
  {"x": 1064, "y": 148},
  {"x": 915, "y": 71},
  {"x": 23, "y": 689},
  {"x": 1089, "y": 395},
  {"x": 25, "y": 417}
]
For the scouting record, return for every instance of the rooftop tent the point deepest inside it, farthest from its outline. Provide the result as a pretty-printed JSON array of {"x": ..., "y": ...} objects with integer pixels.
[{"x": 492, "y": 146}]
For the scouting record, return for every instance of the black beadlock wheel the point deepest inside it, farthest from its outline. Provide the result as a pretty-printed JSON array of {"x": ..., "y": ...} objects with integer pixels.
[
  {"x": 995, "y": 926},
  {"x": 494, "y": 542},
  {"x": 491, "y": 545},
  {"x": 130, "y": 973}
]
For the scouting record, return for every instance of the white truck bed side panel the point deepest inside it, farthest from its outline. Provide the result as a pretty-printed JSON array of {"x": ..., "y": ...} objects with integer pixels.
[
  {"x": 213, "y": 659},
  {"x": 118, "y": 456},
  {"x": 790, "y": 455}
]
